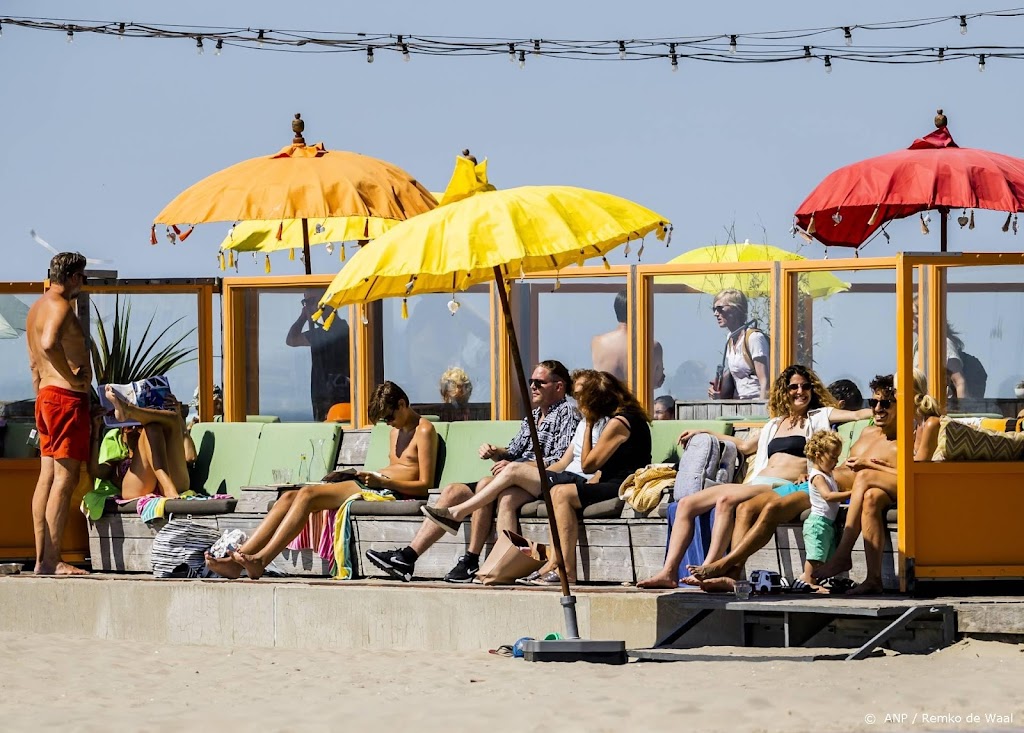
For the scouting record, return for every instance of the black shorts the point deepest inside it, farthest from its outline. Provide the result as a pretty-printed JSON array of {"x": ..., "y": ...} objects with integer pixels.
[
  {"x": 565, "y": 477},
  {"x": 596, "y": 493}
]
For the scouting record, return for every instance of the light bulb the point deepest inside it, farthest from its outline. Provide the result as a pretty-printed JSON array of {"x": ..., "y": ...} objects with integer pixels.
[
  {"x": 963, "y": 25},
  {"x": 536, "y": 47},
  {"x": 828, "y": 64},
  {"x": 732, "y": 44},
  {"x": 807, "y": 54},
  {"x": 71, "y": 36},
  {"x": 259, "y": 39},
  {"x": 511, "y": 53},
  {"x": 981, "y": 62},
  {"x": 199, "y": 45},
  {"x": 405, "y": 53},
  {"x": 622, "y": 50},
  {"x": 942, "y": 54},
  {"x": 847, "y": 36},
  {"x": 675, "y": 63},
  {"x": 120, "y": 31},
  {"x": 2, "y": 29},
  {"x": 522, "y": 59},
  {"x": 219, "y": 47},
  {"x": 369, "y": 54}
]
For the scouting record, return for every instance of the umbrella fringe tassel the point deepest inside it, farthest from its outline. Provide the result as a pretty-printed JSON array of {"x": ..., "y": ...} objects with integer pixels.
[
  {"x": 152, "y": 234},
  {"x": 405, "y": 309},
  {"x": 342, "y": 255},
  {"x": 810, "y": 226},
  {"x": 874, "y": 216},
  {"x": 291, "y": 254},
  {"x": 1006, "y": 224},
  {"x": 924, "y": 225},
  {"x": 971, "y": 224},
  {"x": 266, "y": 264},
  {"x": 280, "y": 231},
  {"x": 220, "y": 261},
  {"x": 231, "y": 258}
]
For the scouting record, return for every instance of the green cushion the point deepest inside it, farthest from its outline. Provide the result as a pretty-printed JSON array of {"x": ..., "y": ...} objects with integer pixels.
[
  {"x": 665, "y": 436},
  {"x": 262, "y": 418},
  {"x": 16, "y": 440},
  {"x": 850, "y": 432},
  {"x": 462, "y": 462},
  {"x": 282, "y": 445},
  {"x": 226, "y": 451}
]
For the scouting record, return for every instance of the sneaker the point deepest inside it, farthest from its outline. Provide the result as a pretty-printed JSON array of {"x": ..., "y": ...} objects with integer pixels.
[
  {"x": 463, "y": 572},
  {"x": 391, "y": 562}
]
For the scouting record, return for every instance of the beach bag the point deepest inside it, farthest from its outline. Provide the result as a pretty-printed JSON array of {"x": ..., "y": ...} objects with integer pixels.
[
  {"x": 179, "y": 547},
  {"x": 513, "y": 557}
]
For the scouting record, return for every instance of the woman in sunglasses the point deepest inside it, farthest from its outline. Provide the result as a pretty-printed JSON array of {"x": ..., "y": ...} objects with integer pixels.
[
  {"x": 800, "y": 405},
  {"x": 743, "y": 373}
]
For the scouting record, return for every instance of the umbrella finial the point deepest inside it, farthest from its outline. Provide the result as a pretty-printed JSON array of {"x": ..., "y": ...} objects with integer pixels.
[
  {"x": 297, "y": 127},
  {"x": 940, "y": 119},
  {"x": 470, "y": 156}
]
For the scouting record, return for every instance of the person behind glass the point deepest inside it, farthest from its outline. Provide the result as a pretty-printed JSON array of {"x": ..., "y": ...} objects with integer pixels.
[
  {"x": 664, "y": 407},
  {"x": 328, "y": 350},
  {"x": 609, "y": 350},
  {"x": 456, "y": 388},
  {"x": 956, "y": 384},
  {"x": 743, "y": 373}
]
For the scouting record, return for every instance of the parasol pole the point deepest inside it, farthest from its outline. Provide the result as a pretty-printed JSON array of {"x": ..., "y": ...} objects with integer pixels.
[
  {"x": 305, "y": 246},
  {"x": 568, "y": 600},
  {"x": 943, "y": 227}
]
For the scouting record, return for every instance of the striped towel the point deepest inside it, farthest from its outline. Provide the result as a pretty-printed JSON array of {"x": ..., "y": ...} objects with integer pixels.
[
  {"x": 341, "y": 568},
  {"x": 317, "y": 534}
]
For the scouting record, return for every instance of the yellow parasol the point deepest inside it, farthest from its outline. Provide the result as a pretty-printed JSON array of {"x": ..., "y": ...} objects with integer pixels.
[
  {"x": 486, "y": 234},
  {"x": 751, "y": 284},
  {"x": 304, "y": 183}
]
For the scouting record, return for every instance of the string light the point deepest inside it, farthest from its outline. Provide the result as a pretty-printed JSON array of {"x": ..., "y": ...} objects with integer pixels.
[
  {"x": 673, "y": 56},
  {"x": 828, "y": 64},
  {"x": 120, "y": 31},
  {"x": 732, "y": 45},
  {"x": 981, "y": 62},
  {"x": 1, "y": 30},
  {"x": 963, "y": 25},
  {"x": 622, "y": 50},
  {"x": 199, "y": 45},
  {"x": 259, "y": 39},
  {"x": 71, "y": 35},
  {"x": 405, "y": 49},
  {"x": 536, "y": 47},
  {"x": 511, "y": 53},
  {"x": 522, "y": 59},
  {"x": 219, "y": 47},
  {"x": 369, "y": 54},
  {"x": 942, "y": 54},
  {"x": 807, "y": 54},
  {"x": 847, "y": 35}
]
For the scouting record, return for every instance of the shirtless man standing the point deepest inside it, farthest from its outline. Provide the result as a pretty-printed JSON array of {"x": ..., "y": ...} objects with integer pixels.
[
  {"x": 608, "y": 350},
  {"x": 61, "y": 375},
  {"x": 864, "y": 473},
  {"x": 409, "y": 474}
]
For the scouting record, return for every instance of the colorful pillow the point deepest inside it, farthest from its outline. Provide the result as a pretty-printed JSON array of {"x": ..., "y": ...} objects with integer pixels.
[{"x": 958, "y": 442}]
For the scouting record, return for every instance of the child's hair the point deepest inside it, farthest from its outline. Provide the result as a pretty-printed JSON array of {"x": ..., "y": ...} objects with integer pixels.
[
  {"x": 822, "y": 444},
  {"x": 384, "y": 401},
  {"x": 847, "y": 393}
]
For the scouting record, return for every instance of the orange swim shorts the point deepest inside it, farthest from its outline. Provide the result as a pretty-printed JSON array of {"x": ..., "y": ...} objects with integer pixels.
[{"x": 63, "y": 422}]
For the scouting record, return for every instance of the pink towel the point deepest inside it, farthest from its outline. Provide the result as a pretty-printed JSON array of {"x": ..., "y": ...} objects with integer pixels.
[{"x": 317, "y": 534}]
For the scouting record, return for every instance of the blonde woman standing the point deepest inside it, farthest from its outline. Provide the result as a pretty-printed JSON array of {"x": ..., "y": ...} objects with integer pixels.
[{"x": 743, "y": 374}]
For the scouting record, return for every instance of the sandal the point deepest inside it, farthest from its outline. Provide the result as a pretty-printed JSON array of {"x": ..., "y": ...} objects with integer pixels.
[
  {"x": 528, "y": 580},
  {"x": 548, "y": 578},
  {"x": 837, "y": 586},
  {"x": 799, "y": 586}
]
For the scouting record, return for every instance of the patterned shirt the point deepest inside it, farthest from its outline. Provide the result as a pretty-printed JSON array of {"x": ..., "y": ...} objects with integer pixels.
[{"x": 555, "y": 432}]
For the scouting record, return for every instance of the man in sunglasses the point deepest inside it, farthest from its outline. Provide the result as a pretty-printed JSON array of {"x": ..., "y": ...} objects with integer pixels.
[
  {"x": 328, "y": 351},
  {"x": 869, "y": 472},
  {"x": 61, "y": 375},
  {"x": 556, "y": 422}
]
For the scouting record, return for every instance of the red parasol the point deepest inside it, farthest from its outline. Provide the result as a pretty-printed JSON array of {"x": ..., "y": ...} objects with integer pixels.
[{"x": 853, "y": 202}]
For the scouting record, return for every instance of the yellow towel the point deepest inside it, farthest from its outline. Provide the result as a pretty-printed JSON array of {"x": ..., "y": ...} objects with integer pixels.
[
  {"x": 642, "y": 489},
  {"x": 342, "y": 569}
]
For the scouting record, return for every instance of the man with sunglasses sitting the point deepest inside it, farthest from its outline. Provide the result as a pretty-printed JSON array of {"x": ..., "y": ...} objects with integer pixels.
[
  {"x": 328, "y": 352},
  {"x": 556, "y": 422}
]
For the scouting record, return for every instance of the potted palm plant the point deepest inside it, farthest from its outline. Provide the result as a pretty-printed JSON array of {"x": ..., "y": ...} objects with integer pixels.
[{"x": 117, "y": 360}]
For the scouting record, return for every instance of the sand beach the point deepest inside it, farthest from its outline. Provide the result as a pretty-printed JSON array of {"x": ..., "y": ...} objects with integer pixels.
[{"x": 76, "y": 684}]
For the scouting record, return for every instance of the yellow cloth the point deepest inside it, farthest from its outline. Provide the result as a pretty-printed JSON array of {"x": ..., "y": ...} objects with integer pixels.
[
  {"x": 343, "y": 530},
  {"x": 643, "y": 488}
]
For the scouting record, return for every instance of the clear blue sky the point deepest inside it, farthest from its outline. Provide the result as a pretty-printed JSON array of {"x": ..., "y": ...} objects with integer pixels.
[{"x": 100, "y": 135}]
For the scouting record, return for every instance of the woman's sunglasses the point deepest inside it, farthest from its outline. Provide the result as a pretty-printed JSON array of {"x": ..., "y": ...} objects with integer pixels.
[
  {"x": 800, "y": 387},
  {"x": 884, "y": 404}
]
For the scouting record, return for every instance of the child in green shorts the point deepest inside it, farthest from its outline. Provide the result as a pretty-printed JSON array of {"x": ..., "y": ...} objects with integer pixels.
[{"x": 822, "y": 453}]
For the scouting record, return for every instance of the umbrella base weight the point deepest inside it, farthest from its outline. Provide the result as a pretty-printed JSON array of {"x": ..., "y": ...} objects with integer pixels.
[{"x": 575, "y": 650}]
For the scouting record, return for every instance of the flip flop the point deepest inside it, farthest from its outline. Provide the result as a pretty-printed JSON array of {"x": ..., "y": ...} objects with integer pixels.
[
  {"x": 837, "y": 586},
  {"x": 549, "y": 578},
  {"x": 528, "y": 580},
  {"x": 799, "y": 586}
]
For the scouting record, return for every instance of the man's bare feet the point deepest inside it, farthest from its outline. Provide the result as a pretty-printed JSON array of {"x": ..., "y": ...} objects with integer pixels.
[
  {"x": 43, "y": 569},
  {"x": 833, "y": 567},
  {"x": 225, "y": 567},
  {"x": 253, "y": 566},
  {"x": 117, "y": 402},
  {"x": 64, "y": 569},
  {"x": 867, "y": 588},
  {"x": 661, "y": 580},
  {"x": 718, "y": 585},
  {"x": 711, "y": 570}
]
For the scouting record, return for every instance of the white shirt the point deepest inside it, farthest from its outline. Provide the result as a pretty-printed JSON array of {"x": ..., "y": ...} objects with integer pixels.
[
  {"x": 748, "y": 387},
  {"x": 816, "y": 420},
  {"x": 576, "y": 464},
  {"x": 819, "y": 506}
]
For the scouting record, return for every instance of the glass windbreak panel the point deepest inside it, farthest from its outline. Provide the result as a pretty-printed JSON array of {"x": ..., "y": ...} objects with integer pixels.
[
  {"x": 218, "y": 357},
  {"x": 694, "y": 316},
  {"x": 442, "y": 360},
  {"x": 138, "y": 335},
  {"x": 296, "y": 370},
  {"x": 579, "y": 322},
  {"x": 17, "y": 395},
  {"x": 846, "y": 326},
  {"x": 984, "y": 348}
]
